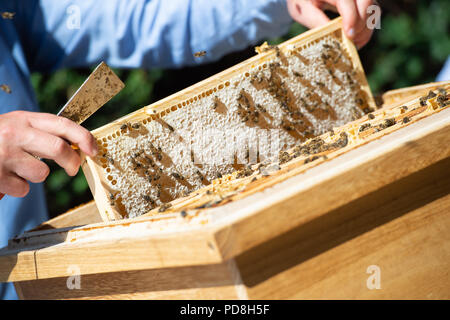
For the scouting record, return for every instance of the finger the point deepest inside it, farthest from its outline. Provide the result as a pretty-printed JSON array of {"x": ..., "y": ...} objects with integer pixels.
[
  {"x": 326, "y": 4},
  {"x": 307, "y": 13},
  {"x": 29, "y": 168},
  {"x": 14, "y": 186},
  {"x": 362, "y": 6},
  {"x": 45, "y": 145},
  {"x": 363, "y": 38},
  {"x": 350, "y": 16},
  {"x": 66, "y": 129},
  {"x": 366, "y": 33}
]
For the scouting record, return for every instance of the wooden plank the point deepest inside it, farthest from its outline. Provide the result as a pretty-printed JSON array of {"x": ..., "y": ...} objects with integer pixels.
[
  {"x": 79, "y": 216},
  {"x": 398, "y": 96},
  {"x": 95, "y": 181},
  {"x": 402, "y": 229},
  {"x": 217, "y": 281},
  {"x": 15, "y": 265},
  {"x": 113, "y": 249}
]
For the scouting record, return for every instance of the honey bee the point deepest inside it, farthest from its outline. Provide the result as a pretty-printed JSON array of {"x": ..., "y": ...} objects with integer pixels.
[
  {"x": 5, "y": 88},
  {"x": 442, "y": 91},
  {"x": 389, "y": 122},
  {"x": 183, "y": 214},
  {"x": 7, "y": 15},
  {"x": 423, "y": 101},
  {"x": 273, "y": 66},
  {"x": 364, "y": 127},
  {"x": 331, "y": 73},
  {"x": 112, "y": 199},
  {"x": 136, "y": 126},
  {"x": 324, "y": 57},
  {"x": 177, "y": 176},
  {"x": 109, "y": 159},
  {"x": 216, "y": 103},
  {"x": 442, "y": 100},
  {"x": 164, "y": 207},
  {"x": 431, "y": 94},
  {"x": 260, "y": 107},
  {"x": 337, "y": 58},
  {"x": 199, "y": 54},
  {"x": 278, "y": 51},
  {"x": 124, "y": 126},
  {"x": 406, "y": 120},
  {"x": 170, "y": 128},
  {"x": 199, "y": 174},
  {"x": 371, "y": 116}
]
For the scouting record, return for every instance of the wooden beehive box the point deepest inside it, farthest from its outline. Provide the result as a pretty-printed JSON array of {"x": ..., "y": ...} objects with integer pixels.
[{"x": 371, "y": 193}]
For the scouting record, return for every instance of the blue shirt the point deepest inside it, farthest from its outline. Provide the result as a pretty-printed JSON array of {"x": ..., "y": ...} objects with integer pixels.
[{"x": 50, "y": 34}]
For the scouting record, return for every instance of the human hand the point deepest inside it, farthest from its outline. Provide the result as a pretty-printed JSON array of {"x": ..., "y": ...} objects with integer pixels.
[
  {"x": 354, "y": 14},
  {"x": 27, "y": 135}
]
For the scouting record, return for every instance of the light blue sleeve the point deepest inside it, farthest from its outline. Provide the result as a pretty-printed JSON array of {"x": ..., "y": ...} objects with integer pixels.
[
  {"x": 444, "y": 74},
  {"x": 148, "y": 33}
]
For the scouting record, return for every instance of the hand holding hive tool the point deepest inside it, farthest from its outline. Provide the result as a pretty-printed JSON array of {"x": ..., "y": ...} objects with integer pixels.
[{"x": 98, "y": 89}]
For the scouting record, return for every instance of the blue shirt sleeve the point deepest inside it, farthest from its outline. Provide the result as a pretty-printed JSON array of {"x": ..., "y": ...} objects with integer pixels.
[
  {"x": 444, "y": 74},
  {"x": 147, "y": 33}
]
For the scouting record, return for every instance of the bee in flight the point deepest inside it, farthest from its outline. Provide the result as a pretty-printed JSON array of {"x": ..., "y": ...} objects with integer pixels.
[
  {"x": 7, "y": 15},
  {"x": 5, "y": 88},
  {"x": 199, "y": 54}
]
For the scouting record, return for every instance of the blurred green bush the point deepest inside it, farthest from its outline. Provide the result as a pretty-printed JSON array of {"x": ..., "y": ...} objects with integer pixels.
[{"x": 409, "y": 49}]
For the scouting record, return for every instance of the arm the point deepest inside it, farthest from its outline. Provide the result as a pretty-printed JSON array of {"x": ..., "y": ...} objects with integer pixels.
[{"x": 139, "y": 33}]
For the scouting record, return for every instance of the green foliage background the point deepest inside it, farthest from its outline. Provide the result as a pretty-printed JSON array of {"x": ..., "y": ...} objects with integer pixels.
[{"x": 409, "y": 49}]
